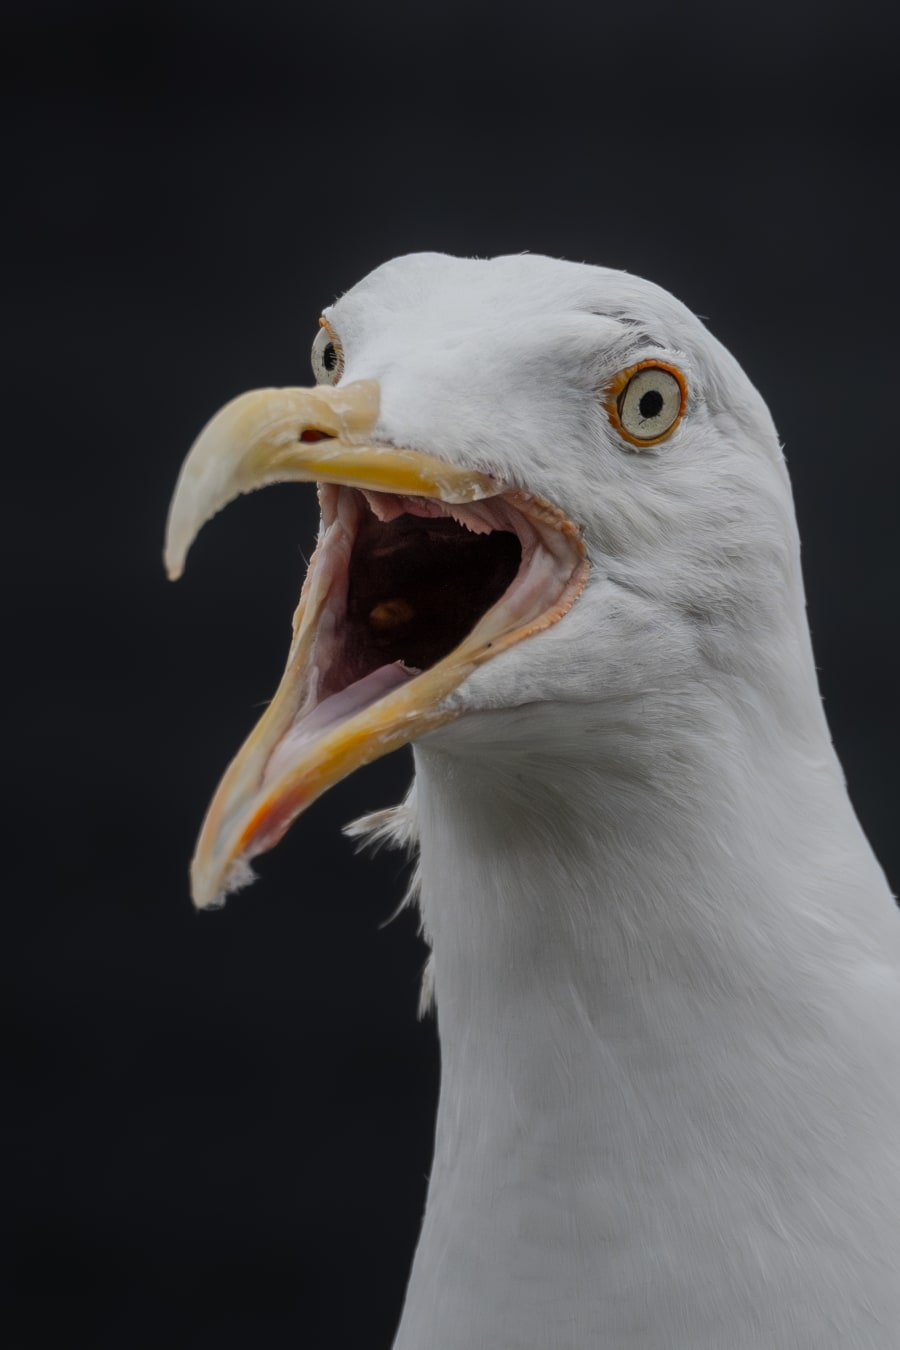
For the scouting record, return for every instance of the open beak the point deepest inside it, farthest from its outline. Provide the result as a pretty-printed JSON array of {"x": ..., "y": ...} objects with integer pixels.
[{"x": 423, "y": 570}]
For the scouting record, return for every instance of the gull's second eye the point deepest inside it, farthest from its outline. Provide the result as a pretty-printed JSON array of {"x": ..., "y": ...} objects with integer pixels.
[
  {"x": 327, "y": 355},
  {"x": 647, "y": 402}
]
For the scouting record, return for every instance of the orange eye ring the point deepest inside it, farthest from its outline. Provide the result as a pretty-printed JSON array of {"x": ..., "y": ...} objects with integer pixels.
[
  {"x": 617, "y": 411},
  {"x": 328, "y": 366}
]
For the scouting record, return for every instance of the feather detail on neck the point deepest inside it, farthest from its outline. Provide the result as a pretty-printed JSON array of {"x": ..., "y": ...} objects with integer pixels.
[{"x": 396, "y": 827}]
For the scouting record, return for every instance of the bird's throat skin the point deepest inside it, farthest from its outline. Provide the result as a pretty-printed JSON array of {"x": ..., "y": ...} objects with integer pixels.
[{"x": 564, "y": 1210}]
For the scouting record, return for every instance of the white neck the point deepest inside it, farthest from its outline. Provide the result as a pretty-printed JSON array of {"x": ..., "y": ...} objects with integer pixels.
[{"x": 671, "y": 1057}]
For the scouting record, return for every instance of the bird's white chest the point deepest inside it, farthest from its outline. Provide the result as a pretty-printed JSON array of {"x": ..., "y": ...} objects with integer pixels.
[{"x": 635, "y": 1154}]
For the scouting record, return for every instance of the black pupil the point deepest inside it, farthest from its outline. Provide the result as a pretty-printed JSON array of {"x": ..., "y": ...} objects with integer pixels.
[
  {"x": 329, "y": 359},
  {"x": 650, "y": 404}
]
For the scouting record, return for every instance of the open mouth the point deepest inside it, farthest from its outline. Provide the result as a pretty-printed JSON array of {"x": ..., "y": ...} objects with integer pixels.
[
  {"x": 411, "y": 583},
  {"x": 423, "y": 571},
  {"x": 418, "y": 583}
]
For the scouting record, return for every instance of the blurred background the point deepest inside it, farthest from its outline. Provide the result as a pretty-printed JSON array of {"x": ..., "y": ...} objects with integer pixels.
[{"x": 220, "y": 1124}]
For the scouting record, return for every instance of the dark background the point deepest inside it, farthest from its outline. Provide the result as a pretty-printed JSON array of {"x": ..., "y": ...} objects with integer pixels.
[{"x": 220, "y": 1125}]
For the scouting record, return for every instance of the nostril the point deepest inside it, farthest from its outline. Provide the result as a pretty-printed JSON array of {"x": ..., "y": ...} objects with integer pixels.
[{"x": 311, "y": 434}]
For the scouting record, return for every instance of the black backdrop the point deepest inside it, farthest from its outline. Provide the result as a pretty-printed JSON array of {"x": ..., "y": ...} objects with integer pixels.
[{"x": 221, "y": 1124}]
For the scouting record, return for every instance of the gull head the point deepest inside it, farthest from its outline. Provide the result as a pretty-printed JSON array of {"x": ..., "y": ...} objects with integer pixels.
[{"x": 541, "y": 483}]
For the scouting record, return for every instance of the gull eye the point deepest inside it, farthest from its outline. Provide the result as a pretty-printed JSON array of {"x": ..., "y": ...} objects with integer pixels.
[
  {"x": 327, "y": 355},
  {"x": 647, "y": 402}
]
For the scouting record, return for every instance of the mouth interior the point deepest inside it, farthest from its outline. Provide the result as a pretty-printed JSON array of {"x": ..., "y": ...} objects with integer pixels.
[
  {"x": 416, "y": 587},
  {"x": 416, "y": 582}
]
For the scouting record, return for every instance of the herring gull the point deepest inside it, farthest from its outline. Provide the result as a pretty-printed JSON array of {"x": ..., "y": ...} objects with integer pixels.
[{"x": 558, "y": 552}]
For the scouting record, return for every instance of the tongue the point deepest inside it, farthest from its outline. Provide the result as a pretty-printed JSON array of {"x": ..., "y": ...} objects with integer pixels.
[{"x": 336, "y": 708}]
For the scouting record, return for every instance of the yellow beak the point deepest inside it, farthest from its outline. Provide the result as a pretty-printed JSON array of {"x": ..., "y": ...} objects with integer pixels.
[
  {"x": 301, "y": 436},
  {"x": 300, "y": 747}
]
